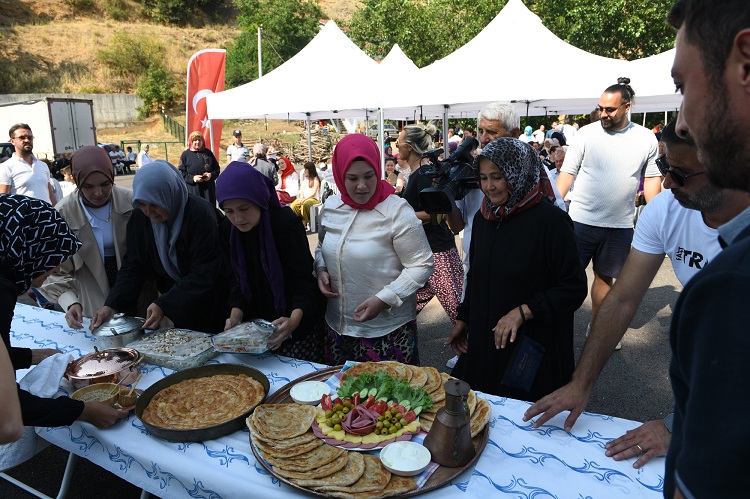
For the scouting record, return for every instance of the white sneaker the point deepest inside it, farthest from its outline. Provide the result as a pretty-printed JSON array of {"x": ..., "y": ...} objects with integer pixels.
[
  {"x": 618, "y": 346},
  {"x": 451, "y": 362}
]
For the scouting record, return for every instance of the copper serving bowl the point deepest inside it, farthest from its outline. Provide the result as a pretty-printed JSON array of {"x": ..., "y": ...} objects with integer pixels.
[{"x": 104, "y": 366}]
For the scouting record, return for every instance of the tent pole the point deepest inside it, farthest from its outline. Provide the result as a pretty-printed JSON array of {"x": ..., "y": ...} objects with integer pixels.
[
  {"x": 309, "y": 137},
  {"x": 446, "y": 150},
  {"x": 380, "y": 142},
  {"x": 644, "y": 119}
]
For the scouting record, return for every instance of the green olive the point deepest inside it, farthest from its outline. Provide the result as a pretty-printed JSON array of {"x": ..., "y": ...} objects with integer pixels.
[
  {"x": 379, "y": 425},
  {"x": 392, "y": 429},
  {"x": 329, "y": 413},
  {"x": 398, "y": 416},
  {"x": 398, "y": 426},
  {"x": 337, "y": 427},
  {"x": 384, "y": 431},
  {"x": 395, "y": 411},
  {"x": 387, "y": 424},
  {"x": 338, "y": 407},
  {"x": 329, "y": 421},
  {"x": 380, "y": 418},
  {"x": 346, "y": 410}
]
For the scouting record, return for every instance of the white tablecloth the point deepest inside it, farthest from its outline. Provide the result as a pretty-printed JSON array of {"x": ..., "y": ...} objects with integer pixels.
[{"x": 519, "y": 461}]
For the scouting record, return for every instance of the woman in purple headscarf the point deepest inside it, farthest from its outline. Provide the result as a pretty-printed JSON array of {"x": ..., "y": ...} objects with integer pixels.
[{"x": 272, "y": 264}]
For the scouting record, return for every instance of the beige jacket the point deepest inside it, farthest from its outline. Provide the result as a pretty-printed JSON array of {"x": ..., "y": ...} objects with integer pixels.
[{"x": 82, "y": 278}]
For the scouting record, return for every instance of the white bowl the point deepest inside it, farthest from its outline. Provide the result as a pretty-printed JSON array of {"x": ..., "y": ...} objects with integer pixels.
[
  {"x": 405, "y": 458},
  {"x": 309, "y": 392}
]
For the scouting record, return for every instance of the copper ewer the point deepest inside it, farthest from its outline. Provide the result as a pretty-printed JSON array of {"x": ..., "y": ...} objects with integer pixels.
[{"x": 449, "y": 439}]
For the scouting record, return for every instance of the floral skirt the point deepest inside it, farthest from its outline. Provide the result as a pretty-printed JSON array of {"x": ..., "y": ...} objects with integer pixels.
[{"x": 399, "y": 345}]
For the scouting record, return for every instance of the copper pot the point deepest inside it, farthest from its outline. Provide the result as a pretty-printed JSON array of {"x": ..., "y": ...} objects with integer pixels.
[{"x": 104, "y": 366}]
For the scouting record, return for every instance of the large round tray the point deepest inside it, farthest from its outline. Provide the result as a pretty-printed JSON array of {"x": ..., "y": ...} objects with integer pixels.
[
  {"x": 440, "y": 477},
  {"x": 199, "y": 372}
]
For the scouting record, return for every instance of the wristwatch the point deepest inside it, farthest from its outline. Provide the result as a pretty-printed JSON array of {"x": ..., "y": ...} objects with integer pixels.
[{"x": 668, "y": 422}]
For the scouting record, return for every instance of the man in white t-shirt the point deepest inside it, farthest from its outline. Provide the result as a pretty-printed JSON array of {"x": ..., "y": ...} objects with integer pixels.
[
  {"x": 238, "y": 151},
  {"x": 607, "y": 159},
  {"x": 680, "y": 223},
  {"x": 23, "y": 173}
]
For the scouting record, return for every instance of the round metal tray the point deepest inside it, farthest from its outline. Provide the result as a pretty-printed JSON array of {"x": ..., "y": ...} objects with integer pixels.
[
  {"x": 202, "y": 434},
  {"x": 439, "y": 478}
]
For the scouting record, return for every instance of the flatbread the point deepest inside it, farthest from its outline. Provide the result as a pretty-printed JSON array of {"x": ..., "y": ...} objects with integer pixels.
[
  {"x": 375, "y": 478},
  {"x": 368, "y": 367},
  {"x": 203, "y": 402},
  {"x": 288, "y": 452},
  {"x": 315, "y": 458},
  {"x": 402, "y": 370},
  {"x": 418, "y": 378},
  {"x": 425, "y": 424},
  {"x": 480, "y": 417},
  {"x": 279, "y": 444},
  {"x": 472, "y": 401},
  {"x": 434, "y": 409},
  {"x": 325, "y": 470},
  {"x": 434, "y": 381},
  {"x": 353, "y": 471},
  {"x": 397, "y": 485},
  {"x": 282, "y": 421},
  {"x": 437, "y": 396}
]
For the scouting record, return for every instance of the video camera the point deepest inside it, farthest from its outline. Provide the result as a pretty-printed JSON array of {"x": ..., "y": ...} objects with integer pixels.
[{"x": 451, "y": 178}]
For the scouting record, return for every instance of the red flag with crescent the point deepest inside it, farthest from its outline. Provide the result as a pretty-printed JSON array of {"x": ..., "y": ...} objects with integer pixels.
[{"x": 205, "y": 76}]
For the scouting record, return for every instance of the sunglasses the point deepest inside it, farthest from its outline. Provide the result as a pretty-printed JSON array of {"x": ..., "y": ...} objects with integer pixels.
[{"x": 679, "y": 178}]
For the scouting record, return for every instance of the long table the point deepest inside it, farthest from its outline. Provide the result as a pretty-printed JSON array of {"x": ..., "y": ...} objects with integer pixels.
[{"x": 519, "y": 460}]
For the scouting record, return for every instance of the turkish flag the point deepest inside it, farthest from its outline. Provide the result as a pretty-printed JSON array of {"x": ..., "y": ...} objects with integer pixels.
[{"x": 205, "y": 75}]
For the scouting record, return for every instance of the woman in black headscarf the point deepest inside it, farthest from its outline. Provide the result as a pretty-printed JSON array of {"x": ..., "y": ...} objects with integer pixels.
[
  {"x": 524, "y": 284},
  {"x": 199, "y": 168},
  {"x": 34, "y": 240}
]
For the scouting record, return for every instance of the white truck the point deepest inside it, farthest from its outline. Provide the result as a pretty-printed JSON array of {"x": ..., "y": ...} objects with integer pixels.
[{"x": 60, "y": 126}]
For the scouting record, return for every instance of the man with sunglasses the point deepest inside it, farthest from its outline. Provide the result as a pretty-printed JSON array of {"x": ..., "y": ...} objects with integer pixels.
[
  {"x": 23, "y": 173},
  {"x": 681, "y": 223},
  {"x": 607, "y": 159}
]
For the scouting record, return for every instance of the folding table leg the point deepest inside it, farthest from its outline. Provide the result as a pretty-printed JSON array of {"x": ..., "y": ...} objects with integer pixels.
[{"x": 64, "y": 485}]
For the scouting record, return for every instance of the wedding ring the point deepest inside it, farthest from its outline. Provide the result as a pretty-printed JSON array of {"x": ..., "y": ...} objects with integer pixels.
[{"x": 640, "y": 449}]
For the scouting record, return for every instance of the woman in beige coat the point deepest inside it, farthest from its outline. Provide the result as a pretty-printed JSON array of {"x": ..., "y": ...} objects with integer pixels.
[{"x": 97, "y": 212}]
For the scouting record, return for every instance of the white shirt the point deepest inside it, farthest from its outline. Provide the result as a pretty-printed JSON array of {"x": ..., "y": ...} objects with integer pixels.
[
  {"x": 27, "y": 179},
  {"x": 607, "y": 167},
  {"x": 100, "y": 220},
  {"x": 666, "y": 227},
  {"x": 238, "y": 153},
  {"x": 291, "y": 184},
  {"x": 143, "y": 159},
  {"x": 381, "y": 252}
]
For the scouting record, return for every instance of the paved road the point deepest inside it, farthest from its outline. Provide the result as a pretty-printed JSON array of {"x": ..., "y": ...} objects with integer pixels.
[{"x": 634, "y": 385}]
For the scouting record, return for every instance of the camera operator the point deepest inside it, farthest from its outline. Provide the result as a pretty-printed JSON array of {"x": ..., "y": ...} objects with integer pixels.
[{"x": 446, "y": 280}]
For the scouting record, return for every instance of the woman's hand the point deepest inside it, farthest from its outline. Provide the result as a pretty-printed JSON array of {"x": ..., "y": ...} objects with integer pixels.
[
  {"x": 74, "y": 316},
  {"x": 508, "y": 326},
  {"x": 197, "y": 178},
  {"x": 101, "y": 316},
  {"x": 459, "y": 338},
  {"x": 101, "y": 415},
  {"x": 369, "y": 309},
  {"x": 235, "y": 318},
  {"x": 39, "y": 354},
  {"x": 155, "y": 318},
  {"x": 324, "y": 284}
]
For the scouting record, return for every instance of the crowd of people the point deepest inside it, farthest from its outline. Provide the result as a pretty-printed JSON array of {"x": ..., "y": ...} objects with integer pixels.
[{"x": 548, "y": 203}]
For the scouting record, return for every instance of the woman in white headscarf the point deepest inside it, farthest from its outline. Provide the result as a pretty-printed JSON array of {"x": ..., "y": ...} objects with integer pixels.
[{"x": 171, "y": 238}]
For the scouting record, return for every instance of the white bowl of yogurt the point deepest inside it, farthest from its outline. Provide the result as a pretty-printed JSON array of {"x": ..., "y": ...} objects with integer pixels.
[
  {"x": 405, "y": 458},
  {"x": 309, "y": 392}
]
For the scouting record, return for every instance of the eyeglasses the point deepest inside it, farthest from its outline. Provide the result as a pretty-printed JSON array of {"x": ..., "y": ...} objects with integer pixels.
[
  {"x": 609, "y": 110},
  {"x": 24, "y": 137},
  {"x": 679, "y": 178}
]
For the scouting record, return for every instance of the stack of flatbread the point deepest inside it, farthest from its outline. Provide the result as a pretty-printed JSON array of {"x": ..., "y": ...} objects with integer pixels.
[
  {"x": 479, "y": 408},
  {"x": 282, "y": 435}
]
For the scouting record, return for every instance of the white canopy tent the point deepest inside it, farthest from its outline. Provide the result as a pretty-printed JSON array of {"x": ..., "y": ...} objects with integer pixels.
[{"x": 294, "y": 90}]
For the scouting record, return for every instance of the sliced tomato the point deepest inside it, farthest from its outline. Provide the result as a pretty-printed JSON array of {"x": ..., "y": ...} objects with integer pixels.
[
  {"x": 381, "y": 407},
  {"x": 370, "y": 402},
  {"x": 356, "y": 399},
  {"x": 338, "y": 401},
  {"x": 410, "y": 416},
  {"x": 326, "y": 403},
  {"x": 400, "y": 408}
]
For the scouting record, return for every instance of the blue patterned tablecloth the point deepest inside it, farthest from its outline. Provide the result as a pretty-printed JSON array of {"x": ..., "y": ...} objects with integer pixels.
[{"x": 519, "y": 461}]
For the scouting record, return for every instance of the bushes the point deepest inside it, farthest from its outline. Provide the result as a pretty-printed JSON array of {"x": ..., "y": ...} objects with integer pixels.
[
  {"x": 156, "y": 88},
  {"x": 177, "y": 12}
]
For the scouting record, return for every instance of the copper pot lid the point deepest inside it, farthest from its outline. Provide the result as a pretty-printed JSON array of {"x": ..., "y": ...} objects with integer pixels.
[
  {"x": 119, "y": 324},
  {"x": 102, "y": 363}
]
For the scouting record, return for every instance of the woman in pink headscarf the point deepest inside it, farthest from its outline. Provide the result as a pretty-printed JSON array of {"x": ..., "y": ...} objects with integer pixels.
[{"x": 371, "y": 258}]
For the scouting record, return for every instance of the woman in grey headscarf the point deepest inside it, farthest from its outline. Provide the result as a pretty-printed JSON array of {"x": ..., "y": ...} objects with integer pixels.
[
  {"x": 514, "y": 332},
  {"x": 171, "y": 238}
]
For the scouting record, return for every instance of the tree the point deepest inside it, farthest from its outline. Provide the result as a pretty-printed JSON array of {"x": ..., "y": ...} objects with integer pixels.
[{"x": 288, "y": 25}]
